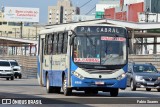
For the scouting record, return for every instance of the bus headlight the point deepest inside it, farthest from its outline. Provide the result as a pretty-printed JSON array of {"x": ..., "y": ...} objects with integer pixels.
[
  {"x": 121, "y": 76},
  {"x": 78, "y": 75},
  {"x": 158, "y": 78}
]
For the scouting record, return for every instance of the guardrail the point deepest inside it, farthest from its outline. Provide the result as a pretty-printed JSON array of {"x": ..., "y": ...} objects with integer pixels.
[{"x": 154, "y": 59}]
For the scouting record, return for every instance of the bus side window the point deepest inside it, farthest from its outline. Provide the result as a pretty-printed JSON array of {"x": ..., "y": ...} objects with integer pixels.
[
  {"x": 55, "y": 40},
  {"x": 60, "y": 43},
  {"x": 46, "y": 45},
  {"x": 52, "y": 47},
  {"x": 50, "y": 44},
  {"x": 65, "y": 42}
]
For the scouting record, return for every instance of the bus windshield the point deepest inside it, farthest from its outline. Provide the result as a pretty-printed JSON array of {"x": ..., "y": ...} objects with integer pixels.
[{"x": 100, "y": 50}]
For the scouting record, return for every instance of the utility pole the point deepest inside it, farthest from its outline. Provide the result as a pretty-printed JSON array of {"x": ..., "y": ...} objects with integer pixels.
[
  {"x": 21, "y": 30},
  {"x": 145, "y": 39},
  {"x": 15, "y": 31}
]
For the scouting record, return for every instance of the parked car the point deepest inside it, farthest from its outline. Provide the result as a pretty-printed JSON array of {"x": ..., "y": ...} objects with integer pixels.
[
  {"x": 16, "y": 69},
  {"x": 143, "y": 76},
  {"x": 6, "y": 70}
]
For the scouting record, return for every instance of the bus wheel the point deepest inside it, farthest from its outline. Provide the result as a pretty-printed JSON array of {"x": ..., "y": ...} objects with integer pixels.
[
  {"x": 49, "y": 88},
  {"x": 67, "y": 91},
  {"x": 114, "y": 92},
  {"x": 158, "y": 89}
]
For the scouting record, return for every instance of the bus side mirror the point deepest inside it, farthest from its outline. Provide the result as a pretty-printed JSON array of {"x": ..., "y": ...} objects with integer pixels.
[
  {"x": 72, "y": 35},
  {"x": 71, "y": 40}
]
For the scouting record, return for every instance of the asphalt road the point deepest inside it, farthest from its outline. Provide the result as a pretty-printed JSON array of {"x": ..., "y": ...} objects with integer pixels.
[{"x": 29, "y": 88}]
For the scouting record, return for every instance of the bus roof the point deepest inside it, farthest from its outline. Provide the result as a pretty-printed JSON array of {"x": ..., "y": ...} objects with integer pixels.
[{"x": 72, "y": 26}]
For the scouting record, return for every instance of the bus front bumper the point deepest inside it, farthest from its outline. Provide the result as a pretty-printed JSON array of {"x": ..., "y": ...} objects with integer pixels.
[{"x": 104, "y": 83}]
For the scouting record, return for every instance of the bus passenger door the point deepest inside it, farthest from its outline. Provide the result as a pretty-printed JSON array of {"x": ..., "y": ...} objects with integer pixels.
[{"x": 41, "y": 55}]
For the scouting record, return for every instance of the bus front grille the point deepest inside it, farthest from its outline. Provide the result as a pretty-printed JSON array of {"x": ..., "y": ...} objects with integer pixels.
[{"x": 95, "y": 71}]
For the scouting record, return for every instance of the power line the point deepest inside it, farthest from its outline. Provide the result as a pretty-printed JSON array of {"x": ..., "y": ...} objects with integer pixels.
[
  {"x": 81, "y": 6},
  {"x": 85, "y": 4},
  {"x": 90, "y": 10}
]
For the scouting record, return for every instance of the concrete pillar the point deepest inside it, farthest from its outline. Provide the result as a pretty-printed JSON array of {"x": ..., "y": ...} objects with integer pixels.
[
  {"x": 30, "y": 49},
  {"x": 35, "y": 50},
  {"x": 145, "y": 46},
  {"x": 7, "y": 49},
  {"x": 12, "y": 50},
  {"x": 132, "y": 42},
  {"x": 155, "y": 46},
  {"x": 141, "y": 45},
  {"x": 3, "y": 49},
  {"x": 21, "y": 50},
  {"x": 25, "y": 47},
  {"x": 16, "y": 50}
]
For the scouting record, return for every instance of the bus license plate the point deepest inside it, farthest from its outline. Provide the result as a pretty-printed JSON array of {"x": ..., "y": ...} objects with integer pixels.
[
  {"x": 99, "y": 83},
  {"x": 150, "y": 83}
]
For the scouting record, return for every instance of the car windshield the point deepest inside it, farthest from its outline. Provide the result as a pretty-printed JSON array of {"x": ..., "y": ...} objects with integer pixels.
[
  {"x": 4, "y": 63},
  {"x": 14, "y": 63},
  {"x": 144, "y": 68},
  {"x": 100, "y": 50}
]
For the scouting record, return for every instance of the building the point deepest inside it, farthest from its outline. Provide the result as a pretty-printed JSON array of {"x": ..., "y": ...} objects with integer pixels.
[
  {"x": 78, "y": 18},
  {"x": 105, "y": 4},
  {"x": 62, "y": 12}
]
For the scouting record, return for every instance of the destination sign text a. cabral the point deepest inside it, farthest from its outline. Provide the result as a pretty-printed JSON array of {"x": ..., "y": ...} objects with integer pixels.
[{"x": 100, "y": 29}]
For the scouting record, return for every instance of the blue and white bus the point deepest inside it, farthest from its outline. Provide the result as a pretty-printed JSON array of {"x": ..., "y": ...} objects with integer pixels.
[{"x": 83, "y": 57}]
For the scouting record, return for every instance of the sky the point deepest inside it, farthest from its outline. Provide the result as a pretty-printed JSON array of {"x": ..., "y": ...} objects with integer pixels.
[{"x": 43, "y": 6}]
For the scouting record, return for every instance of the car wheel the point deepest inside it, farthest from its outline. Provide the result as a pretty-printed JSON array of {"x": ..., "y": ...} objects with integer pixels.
[
  {"x": 114, "y": 92},
  {"x": 7, "y": 78},
  {"x": 158, "y": 89},
  {"x": 20, "y": 76},
  {"x": 133, "y": 87},
  {"x": 67, "y": 91},
  {"x": 12, "y": 77},
  {"x": 148, "y": 89},
  {"x": 15, "y": 76}
]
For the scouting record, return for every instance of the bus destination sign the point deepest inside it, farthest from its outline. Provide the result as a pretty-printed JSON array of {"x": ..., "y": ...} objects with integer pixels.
[{"x": 99, "y": 29}]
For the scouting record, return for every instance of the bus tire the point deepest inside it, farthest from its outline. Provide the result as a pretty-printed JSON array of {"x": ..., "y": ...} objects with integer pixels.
[
  {"x": 49, "y": 88},
  {"x": 7, "y": 78},
  {"x": 114, "y": 92},
  {"x": 67, "y": 91},
  {"x": 158, "y": 89}
]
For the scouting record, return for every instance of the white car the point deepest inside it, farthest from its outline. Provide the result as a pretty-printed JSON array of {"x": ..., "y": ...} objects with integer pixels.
[
  {"x": 6, "y": 70},
  {"x": 16, "y": 68}
]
